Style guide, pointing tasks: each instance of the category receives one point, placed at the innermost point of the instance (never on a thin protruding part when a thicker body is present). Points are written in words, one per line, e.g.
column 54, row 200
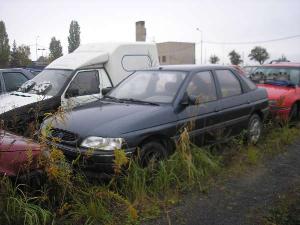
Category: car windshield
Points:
column 48, row 82
column 149, row 86
column 276, row 75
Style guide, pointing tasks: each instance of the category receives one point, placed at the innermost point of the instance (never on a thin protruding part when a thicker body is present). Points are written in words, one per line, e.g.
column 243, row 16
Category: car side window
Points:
column 202, row 86
column 85, row 83
column 229, row 83
column 13, row 80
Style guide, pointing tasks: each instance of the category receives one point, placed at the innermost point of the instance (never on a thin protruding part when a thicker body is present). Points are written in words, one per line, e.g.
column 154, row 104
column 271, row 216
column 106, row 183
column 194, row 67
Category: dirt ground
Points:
column 241, row 200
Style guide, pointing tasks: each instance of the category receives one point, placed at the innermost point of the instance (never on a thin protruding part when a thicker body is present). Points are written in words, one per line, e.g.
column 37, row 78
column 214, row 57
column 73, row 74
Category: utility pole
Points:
column 36, row 47
column 201, row 41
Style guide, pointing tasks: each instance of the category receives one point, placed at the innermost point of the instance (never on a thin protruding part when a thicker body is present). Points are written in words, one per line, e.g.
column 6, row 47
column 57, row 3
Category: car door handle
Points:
column 248, row 101
column 217, row 109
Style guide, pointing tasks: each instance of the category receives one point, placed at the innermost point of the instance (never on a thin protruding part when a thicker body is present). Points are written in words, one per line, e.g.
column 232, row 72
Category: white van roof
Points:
column 110, row 54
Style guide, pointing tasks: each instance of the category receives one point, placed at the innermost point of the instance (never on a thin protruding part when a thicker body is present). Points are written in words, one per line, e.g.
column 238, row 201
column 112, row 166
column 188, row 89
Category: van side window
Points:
column 229, row 84
column 104, row 80
column 202, row 86
column 85, row 83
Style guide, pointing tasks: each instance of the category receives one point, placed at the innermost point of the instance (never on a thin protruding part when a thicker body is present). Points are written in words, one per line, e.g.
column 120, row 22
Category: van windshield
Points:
column 48, row 82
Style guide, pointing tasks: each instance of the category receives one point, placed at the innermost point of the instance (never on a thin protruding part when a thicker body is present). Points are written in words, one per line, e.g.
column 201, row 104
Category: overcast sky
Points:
column 166, row 20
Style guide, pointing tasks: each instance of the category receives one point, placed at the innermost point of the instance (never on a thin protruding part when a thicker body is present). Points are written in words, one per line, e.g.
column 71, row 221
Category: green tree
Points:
column 235, row 58
column 13, row 56
column 214, row 59
column 22, row 56
column 74, row 36
column 282, row 59
column 55, row 49
column 4, row 46
column 43, row 60
column 259, row 54
column 19, row 56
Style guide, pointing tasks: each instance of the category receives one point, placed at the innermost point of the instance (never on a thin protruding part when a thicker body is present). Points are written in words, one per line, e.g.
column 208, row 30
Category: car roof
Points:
column 26, row 72
column 190, row 68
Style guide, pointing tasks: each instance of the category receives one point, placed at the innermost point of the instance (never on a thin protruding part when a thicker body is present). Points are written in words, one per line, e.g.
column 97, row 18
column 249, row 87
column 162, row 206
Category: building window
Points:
column 164, row 58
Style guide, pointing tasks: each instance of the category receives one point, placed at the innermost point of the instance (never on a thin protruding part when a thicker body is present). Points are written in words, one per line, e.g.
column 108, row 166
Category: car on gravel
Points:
column 18, row 156
column 12, row 79
column 147, row 111
column 282, row 82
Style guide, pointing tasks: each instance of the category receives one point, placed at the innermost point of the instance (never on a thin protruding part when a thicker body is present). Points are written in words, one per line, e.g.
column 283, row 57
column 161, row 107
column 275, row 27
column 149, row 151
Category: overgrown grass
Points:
column 133, row 194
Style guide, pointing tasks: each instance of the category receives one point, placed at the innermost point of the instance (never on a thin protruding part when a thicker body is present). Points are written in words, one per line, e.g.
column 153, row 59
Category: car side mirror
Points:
column 72, row 93
column 104, row 91
column 189, row 100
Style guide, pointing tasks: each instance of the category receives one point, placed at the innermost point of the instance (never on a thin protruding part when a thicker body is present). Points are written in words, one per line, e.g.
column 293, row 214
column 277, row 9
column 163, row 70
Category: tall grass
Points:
column 134, row 193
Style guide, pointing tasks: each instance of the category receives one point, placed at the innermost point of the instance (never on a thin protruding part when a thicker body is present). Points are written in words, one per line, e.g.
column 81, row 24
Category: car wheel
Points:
column 254, row 129
column 152, row 152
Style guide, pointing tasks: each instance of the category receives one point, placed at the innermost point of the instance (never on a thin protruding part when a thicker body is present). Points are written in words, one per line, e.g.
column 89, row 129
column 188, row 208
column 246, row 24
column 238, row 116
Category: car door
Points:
column 202, row 117
column 235, row 104
column 13, row 80
column 83, row 88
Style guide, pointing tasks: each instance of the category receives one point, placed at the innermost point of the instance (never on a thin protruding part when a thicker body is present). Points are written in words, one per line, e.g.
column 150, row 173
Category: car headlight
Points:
column 102, row 143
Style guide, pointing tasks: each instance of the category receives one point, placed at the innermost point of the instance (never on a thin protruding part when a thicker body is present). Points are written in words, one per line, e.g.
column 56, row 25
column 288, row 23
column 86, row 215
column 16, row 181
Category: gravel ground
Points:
column 240, row 200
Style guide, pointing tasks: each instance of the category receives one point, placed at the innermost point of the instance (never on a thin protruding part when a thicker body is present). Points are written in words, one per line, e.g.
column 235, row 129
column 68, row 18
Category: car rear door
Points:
column 202, row 117
column 235, row 104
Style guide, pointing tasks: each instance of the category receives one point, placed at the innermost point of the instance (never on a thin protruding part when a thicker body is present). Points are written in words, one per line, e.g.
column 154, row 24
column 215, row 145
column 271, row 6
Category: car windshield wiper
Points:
column 138, row 101
column 112, row 98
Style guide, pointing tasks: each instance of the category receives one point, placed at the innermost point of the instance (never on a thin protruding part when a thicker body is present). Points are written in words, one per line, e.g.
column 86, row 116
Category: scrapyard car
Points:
column 75, row 79
column 282, row 82
column 18, row 156
column 148, row 109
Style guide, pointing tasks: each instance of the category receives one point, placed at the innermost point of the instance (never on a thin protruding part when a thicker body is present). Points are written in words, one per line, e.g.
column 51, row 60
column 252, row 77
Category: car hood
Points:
column 10, row 142
column 109, row 119
column 17, row 99
column 277, row 92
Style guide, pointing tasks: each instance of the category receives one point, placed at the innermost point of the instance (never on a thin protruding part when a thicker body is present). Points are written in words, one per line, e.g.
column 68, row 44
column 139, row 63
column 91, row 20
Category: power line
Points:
column 252, row 42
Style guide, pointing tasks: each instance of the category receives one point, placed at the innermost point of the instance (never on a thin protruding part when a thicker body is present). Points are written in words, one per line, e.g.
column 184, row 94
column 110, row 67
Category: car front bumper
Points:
column 92, row 163
column 280, row 113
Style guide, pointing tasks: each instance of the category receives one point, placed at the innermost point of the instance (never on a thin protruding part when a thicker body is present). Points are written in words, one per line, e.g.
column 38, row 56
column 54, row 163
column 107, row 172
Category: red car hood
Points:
column 11, row 142
column 275, row 92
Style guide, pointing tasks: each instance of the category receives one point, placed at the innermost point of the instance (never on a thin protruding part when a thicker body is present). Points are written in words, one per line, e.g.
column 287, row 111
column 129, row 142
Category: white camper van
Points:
column 79, row 77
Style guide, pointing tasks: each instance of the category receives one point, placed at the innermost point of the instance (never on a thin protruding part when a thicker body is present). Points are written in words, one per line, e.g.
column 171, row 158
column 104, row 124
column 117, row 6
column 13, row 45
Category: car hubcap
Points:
column 255, row 131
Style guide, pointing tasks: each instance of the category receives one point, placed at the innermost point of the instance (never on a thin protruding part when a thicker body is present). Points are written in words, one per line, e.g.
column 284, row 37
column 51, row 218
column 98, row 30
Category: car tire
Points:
column 153, row 152
column 254, row 129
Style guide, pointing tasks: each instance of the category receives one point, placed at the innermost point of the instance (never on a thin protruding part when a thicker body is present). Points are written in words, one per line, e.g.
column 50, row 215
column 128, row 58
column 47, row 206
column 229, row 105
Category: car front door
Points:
column 235, row 104
column 201, row 117
column 83, row 88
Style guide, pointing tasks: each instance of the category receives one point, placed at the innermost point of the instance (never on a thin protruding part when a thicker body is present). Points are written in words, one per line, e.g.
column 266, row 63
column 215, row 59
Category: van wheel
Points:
column 152, row 152
column 254, row 129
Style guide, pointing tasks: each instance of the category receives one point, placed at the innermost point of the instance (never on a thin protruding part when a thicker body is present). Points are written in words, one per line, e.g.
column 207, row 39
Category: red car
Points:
column 18, row 155
column 282, row 82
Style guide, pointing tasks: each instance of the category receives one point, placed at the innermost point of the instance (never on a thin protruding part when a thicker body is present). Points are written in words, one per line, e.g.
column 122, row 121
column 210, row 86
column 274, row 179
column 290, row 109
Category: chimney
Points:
column 140, row 31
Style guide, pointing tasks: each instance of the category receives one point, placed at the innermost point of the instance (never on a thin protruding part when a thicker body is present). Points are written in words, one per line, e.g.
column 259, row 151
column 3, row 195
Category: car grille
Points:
column 64, row 136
